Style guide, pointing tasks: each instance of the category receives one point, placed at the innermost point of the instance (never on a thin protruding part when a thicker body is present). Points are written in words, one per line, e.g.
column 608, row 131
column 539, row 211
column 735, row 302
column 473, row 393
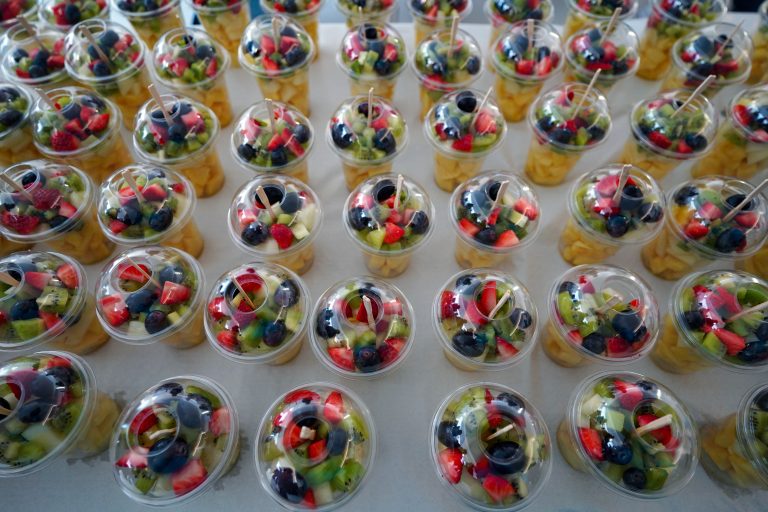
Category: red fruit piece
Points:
column 227, row 339
column 362, row 315
column 525, row 207
column 45, row 198
column 747, row 219
column 117, row 227
column 463, row 144
column 544, row 66
column 525, row 67
column 301, row 395
column 732, row 341
column 316, row 450
column 393, row 307
column 220, row 421
column 68, row 275
column 728, row 300
column 143, row 421
column 592, row 443
column 154, row 192
column 282, row 235
column 390, row 52
column 473, row 314
column 333, row 410
column 37, row 280
column 97, row 123
column 21, row 224
column 63, row 141
column 696, row 230
column 629, row 395
column 174, row 293
column 217, row 308
column 741, row 114
column 480, row 469
column 114, row 309
column 135, row 458
column 470, row 229
column 487, row 298
column 178, row 66
column 616, row 346
column 451, row 464
column 607, row 185
column 189, row 477
column 393, row 233
column 343, row 358
column 506, row 350
column 309, row 500
column 663, row 434
column 507, row 239
column 267, row 44
column 448, row 306
column 66, row 209
column 51, row 320
column 497, row 488
column 660, row 140
column 710, row 211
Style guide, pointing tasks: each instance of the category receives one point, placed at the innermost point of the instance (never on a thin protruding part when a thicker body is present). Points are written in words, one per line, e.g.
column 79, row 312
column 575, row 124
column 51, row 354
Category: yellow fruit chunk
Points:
column 578, row 247
column 545, row 166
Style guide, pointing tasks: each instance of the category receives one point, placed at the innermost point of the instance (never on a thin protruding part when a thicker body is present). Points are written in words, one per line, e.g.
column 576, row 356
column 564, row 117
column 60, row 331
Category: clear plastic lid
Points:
column 12, row 11
column 81, row 121
column 491, row 223
column 274, row 46
column 51, row 397
column 717, row 313
column 25, row 62
column 148, row 293
column 486, row 318
column 133, row 9
column 372, row 52
column 439, row 11
column 513, row 11
column 216, row 7
column 174, row 441
column 293, row 8
column 164, row 204
column 762, row 11
column 699, row 212
column 15, row 107
column 614, row 54
column 263, row 324
column 122, row 48
column 367, row 135
column 187, row 57
column 362, row 327
column 709, row 51
column 291, row 222
column 608, row 314
column 315, row 447
column 63, row 14
column 749, row 113
column 602, row 9
column 265, row 141
column 514, row 56
column 491, row 447
column 44, row 296
column 633, row 215
column 753, row 428
column 188, row 130
column 377, row 224
column 633, row 434
column 48, row 200
column 568, row 120
column 686, row 12
column 356, row 9
column 440, row 67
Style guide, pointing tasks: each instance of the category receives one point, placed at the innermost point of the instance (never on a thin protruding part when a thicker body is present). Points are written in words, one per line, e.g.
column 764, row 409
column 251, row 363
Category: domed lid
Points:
column 292, row 8
column 144, row 9
column 25, row 62
column 443, row 67
column 606, row 313
column 749, row 113
column 486, row 317
column 362, row 327
column 603, row 9
column 174, row 441
column 187, row 57
column 216, row 7
column 315, row 447
column 163, row 205
column 614, row 53
column 256, row 312
column 50, row 399
column 119, row 54
column 434, row 11
column 274, row 46
column 491, row 447
column 369, row 8
column 10, row 15
column 534, row 60
column 686, row 12
column 63, row 14
column 510, row 11
column 148, row 293
column 720, row 49
column 753, row 428
column 633, row 434
column 372, row 51
column 15, row 106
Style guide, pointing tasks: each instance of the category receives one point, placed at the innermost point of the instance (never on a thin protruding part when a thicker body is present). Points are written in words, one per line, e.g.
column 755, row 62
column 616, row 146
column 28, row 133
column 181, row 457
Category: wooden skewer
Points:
column 271, row 112
column 611, row 24
column 503, row 300
column 133, row 186
column 243, row 293
column 156, row 96
column 701, row 88
column 584, row 96
column 656, row 424
column 6, row 278
column 500, row 432
column 31, row 31
column 730, row 215
column 719, row 53
column 18, row 188
column 744, row 312
column 499, row 195
column 142, row 271
column 454, row 28
column 265, row 201
column 622, row 182
column 158, row 433
column 398, row 188
column 48, row 101
column 103, row 56
column 530, row 26
column 369, row 317
column 481, row 106
column 370, row 106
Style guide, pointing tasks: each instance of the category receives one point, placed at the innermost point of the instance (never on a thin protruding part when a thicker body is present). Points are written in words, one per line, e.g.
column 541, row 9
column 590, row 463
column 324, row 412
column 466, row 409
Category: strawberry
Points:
column 58, row 361
column 605, row 206
column 154, row 192
column 316, row 450
column 309, row 500
column 607, row 185
column 250, row 283
column 178, row 66
column 286, row 43
column 448, row 306
column 282, row 235
column 629, row 395
column 174, row 293
column 294, row 147
column 68, row 275
column 660, row 140
column 362, row 314
column 480, row 469
column 451, row 464
column 75, row 128
column 590, row 440
column 497, row 488
column 21, row 224
column 494, row 217
column 51, row 320
column 617, row 346
column 741, row 114
column 725, row 68
column 710, row 211
column 747, row 219
column 343, row 358
column 506, row 350
column 397, row 344
column 732, row 341
column 269, row 64
column 544, row 66
column 467, row 227
column 178, row 188
column 393, row 233
column 212, row 68
column 728, row 300
column 117, row 227
column 688, row 56
column 217, row 308
column 143, row 421
column 363, row 200
column 525, row 207
column 473, row 314
column 487, row 298
column 189, row 477
column 114, row 309
column 220, row 421
column 301, row 395
column 393, row 307
column 586, row 285
column 484, row 123
column 333, row 410
column 390, row 52
column 683, row 148
column 86, row 113
column 67, row 209
column 663, row 434
column 135, row 458
column 97, row 123
column 463, row 144
column 387, row 354
column 267, row 44
column 37, row 280
column 63, row 141
column 507, row 239
column 696, row 229
column 525, row 67
column 227, row 339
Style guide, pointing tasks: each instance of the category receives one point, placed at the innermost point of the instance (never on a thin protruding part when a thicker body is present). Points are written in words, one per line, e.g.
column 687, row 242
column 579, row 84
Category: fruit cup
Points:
column 25, row 63
column 366, row 148
column 760, row 42
column 83, row 131
column 305, row 13
column 150, row 294
column 715, row 320
column 50, row 302
column 224, row 20
column 257, row 313
column 152, row 19
column 433, row 16
column 161, row 213
column 273, row 140
column 64, row 14
column 490, row 229
column 12, row 11
column 505, row 13
column 664, row 134
column 490, row 447
column 631, row 433
column 373, row 11
column 566, row 121
column 180, row 134
column 189, row 62
column 281, row 70
column 373, row 56
column 587, row 13
column 123, row 78
column 16, row 143
column 441, row 69
column 162, row 455
column 486, row 320
column 669, row 21
column 55, row 411
column 603, row 220
column 362, row 328
column 53, row 203
column 389, row 217
column 522, row 67
column 733, row 448
column 617, row 324
column 702, row 227
column 282, row 231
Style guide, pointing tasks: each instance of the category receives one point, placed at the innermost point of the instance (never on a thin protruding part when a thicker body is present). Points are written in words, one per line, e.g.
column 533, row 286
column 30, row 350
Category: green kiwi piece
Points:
column 323, row 472
column 66, row 417
column 347, row 478
column 215, row 402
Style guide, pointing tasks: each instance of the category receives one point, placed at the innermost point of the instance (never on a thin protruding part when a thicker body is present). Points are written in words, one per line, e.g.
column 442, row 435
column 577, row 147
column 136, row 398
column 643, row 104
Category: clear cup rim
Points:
column 44, row 6
column 527, row 79
column 446, row 87
column 24, row 122
column 10, row 39
column 210, row 11
column 391, row 32
column 421, row 18
column 740, row 128
column 574, row 5
column 202, row 84
column 29, row 14
column 622, row 29
column 146, row 15
column 745, row 431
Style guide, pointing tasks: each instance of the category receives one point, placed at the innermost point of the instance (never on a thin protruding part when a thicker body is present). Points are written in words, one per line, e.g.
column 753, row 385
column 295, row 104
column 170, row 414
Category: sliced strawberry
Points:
column 747, row 219
column 316, row 450
column 683, row 148
column 294, row 147
column 282, row 235
column 741, row 113
column 607, row 185
column 390, row 52
column 732, row 341
column 135, row 458
column 544, row 66
column 451, row 464
column 45, row 198
column 227, row 339
column 728, row 300
column 58, row 361
column 487, row 298
column 586, row 284
column 220, row 421
column 485, row 123
column 68, row 275
column 333, row 410
column 525, row 207
column 616, row 346
column 710, row 211
column 696, row 229
column 449, row 308
column 115, row 310
column 212, row 68
column 363, row 200
column 362, row 315
column 75, row 128
column 470, row 229
column 393, row 233
column 174, row 293
column 629, row 395
column 660, row 140
column 494, row 217
column 267, row 45
column 592, row 443
column 507, row 239
column 217, row 308
column 67, row 209
column 178, row 66
column 37, row 280
column 188, row 478
column 21, row 224
column 154, row 192
column 342, row 357
column 663, row 434
column 473, row 314
column 117, row 227
column 143, row 421
column 51, row 320
column 463, row 144
column 506, row 350
column 497, row 488
column 97, row 123
column 393, row 307
column 525, row 67
column 301, row 395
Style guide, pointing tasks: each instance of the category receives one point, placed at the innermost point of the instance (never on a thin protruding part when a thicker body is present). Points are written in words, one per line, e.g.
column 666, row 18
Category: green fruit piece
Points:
column 66, row 418
column 398, row 328
column 29, row 453
column 712, row 344
column 347, row 478
column 376, row 238
column 144, row 480
column 474, row 489
column 215, row 402
column 655, row 478
column 28, row 329
column 614, row 419
column 323, row 472
column 565, row 307
column 613, row 471
column 53, row 299
column 355, row 427
column 43, row 435
column 366, row 338
column 604, row 388
column 752, row 295
column 164, row 419
column 174, row 317
column 284, row 218
column 664, row 460
column 271, row 451
column 293, row 319
column 588, row 326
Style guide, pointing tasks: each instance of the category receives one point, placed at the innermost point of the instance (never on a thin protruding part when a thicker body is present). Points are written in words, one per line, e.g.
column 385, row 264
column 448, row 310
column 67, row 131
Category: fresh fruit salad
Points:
column 503, row 13
column 372, row 55
column 584, row 13
column 431, row 15
column 63, row 14
column 225, row 20
column 462, row 123
column 150, row 18
column 292, row 7
column 614, row 54
column 12, row 10
column 123, row 51
column 25, row 62
column 355, row 10
column 16, row 143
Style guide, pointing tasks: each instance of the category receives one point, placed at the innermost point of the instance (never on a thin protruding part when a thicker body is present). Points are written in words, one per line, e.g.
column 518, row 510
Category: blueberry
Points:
column 278, row 157
column 650, row 212
column 506, row 458
column 342, row 135
column 754, row 351
column 492, row 189
column 8, row 94
column 33, row 411
column 736, row 199
column 650, row 390
column 543, row 52
column 419, row 222
column 288, row 31
column 296, row 55
column 19, row 53
column 109, row 38
column 140, row 301
column 473, row 65
column 634, row 478
column 536, row 14
column 562, row 135
column 158, row 118
column 686, row 192
column 594, row 34
column 150, row 5
column 358, row 218
column 467, row 283
column 337, row 441
column 696, row 141
column 172, row 273
column 290, row 6
column 546, row 124
column 10, row 118
column 93, row 102
column 255, row 233
column 629, row 325
column 571, row 288
column 291, row 203
column 41, row 58
column 468, row 343
column 287, row 294
column 700, row 71
column 161, row 219
column 36, row 71
column 71, row 111
column 274, row 194
column 188, row 413
column 168, row 455
column 502, row 6
column 177, row 133
column 591, row 55
column 617, row 226
column 93, row 52
column 730, row 240
column 128, row 215
column 448, row 434
column 204, row 406
column 466, row 101
column 172, row 388
column 486, row 236
column 289, row 485
column 382, row 67
column 205, row 51
column 620, row 67
column 521, row 318
column 595, row 133
column 156, row 321
column 274, row 334
column 183, row 107
column 617, row 450
column 383, row 190
column 510, row 403
column 631, row 198
column 762, row 331
column 24, row 310
column 301, row 133
column 155, row 172
column 45, row 388
column 384, row 140
column 367, row 359
column 324, row 324
column 704, row 46
column 693, row 319
column 452, row 127
column 594, row 342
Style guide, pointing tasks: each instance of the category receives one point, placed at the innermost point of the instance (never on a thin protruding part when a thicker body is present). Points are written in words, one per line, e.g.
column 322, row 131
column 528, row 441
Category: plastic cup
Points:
column 65, row 197
column 427, row 19
column 631, row 433
column 709, row 324
column 65, row 413
column 696, row 232
column 153, row 23
column 186, row 145
column 94, row 145
column 472, row 338
column 756, row 264
column 662, row 139
column 600, row 314
column 26, row 9
column 150, row 294
column 490, row 447
column 305, row 13
column 760, row 53
column 733, row 448
column 224, row 21
column 376, row 12
column 50, row 304
column 668, row 22
column 253, row 147
column 366, row 149
column 16, row 143
column 9, row 247
column 284, row 78
column 603, row 220
column 175, row 441
column 58, row 13
column 20, row 49
column 386, row 233
column 586, row 13
column 504, row 13
column 489, row 232
column 522, row 67
column 288, row 237
column 561, row 134
column 160, row 215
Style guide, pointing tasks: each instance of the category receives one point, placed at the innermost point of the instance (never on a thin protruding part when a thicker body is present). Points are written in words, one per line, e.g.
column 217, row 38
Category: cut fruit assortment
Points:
column 585, row 13
column 12, row 10
column 760, row 54
column 224, row 20
column 150, row 19
column 16, row 142
column 175, row 441
column 24, row 62
column 434, row 15
column 370, row 11
column 614, row 53
column 303, row 12
column 503, row 13
column 63, row 14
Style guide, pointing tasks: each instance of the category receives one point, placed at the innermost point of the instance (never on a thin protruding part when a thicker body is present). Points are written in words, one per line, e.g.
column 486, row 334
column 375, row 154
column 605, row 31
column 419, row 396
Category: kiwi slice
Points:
column 323, row 472
column 195, row 390
column 355, row 427
column 28, row 453
column 66, row 417
column 144, row 480
column 348, row 476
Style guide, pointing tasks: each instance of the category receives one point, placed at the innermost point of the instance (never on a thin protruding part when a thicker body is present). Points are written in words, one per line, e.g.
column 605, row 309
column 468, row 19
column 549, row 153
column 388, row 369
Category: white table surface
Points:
column 402, row 404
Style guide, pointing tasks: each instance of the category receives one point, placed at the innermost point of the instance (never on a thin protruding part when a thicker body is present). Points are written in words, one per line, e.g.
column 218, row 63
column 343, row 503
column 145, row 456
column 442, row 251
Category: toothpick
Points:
column 398, row 188
column 96, row 45
column 158, row 433
column 499, row 196
column 369, row 316
column 31, row 31
column 370, row 106
column 584, row 96
column 622, row 182
column 719, row 53
column 48, row 101
column 265, row 201
column 744, row 312
column 275, row 32
column 156, row 96
column 615, row 299
column 656, row 424
column 701, row 88
column 142, row 271
column 745, row 201
column 6, row 278
column 243, row 293
column 500, row 432
column 530, row 26
column 271, row 112
column 133, row 186
column 454, row 28
column 481, row 106
column 18, row 188
column 611, row 24
column 503, row 300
